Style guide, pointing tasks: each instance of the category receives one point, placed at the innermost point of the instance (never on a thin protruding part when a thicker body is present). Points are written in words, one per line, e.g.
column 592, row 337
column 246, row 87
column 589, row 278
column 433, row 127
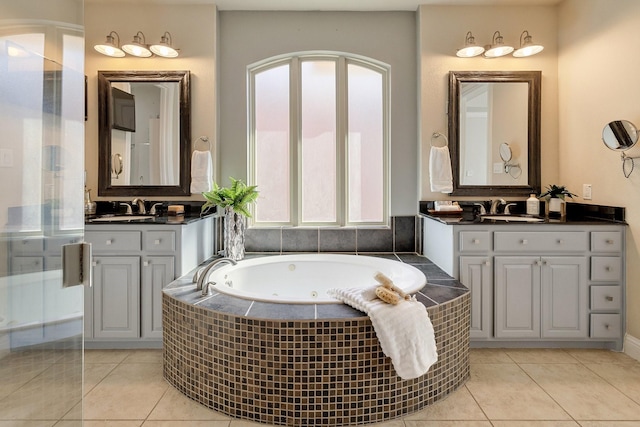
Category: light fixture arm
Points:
column 110, row 36
column 527, row 38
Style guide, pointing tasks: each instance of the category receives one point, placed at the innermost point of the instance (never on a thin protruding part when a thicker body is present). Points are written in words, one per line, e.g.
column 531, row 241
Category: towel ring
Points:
column 437, row 135
column 203, row 139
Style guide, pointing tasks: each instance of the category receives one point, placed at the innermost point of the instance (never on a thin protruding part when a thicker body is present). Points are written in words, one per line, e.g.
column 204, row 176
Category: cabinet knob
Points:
column 146, row 263
column 156, row 242
column 523, row 242
column 487, row 263
column 560, row 241
column 609, row 242
column 609, row 298
column 606, row 326
column 108, row 242
column 94, row 263
column 475, row 241
column 607, row 268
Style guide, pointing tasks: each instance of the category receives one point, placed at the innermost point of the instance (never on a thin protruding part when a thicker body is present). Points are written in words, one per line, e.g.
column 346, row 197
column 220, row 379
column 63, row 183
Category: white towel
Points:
column 404, row 330
column 440, row 170
column 201, row 171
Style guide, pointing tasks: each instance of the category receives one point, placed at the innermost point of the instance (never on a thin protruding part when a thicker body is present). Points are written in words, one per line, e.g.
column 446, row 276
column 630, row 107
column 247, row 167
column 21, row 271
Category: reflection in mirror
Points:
column 144, row 133
column 620, row 135
column 494, row 125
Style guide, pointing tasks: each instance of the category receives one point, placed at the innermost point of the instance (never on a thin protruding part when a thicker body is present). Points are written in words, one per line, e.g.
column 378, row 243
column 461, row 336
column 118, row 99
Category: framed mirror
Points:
column 144, row 133
column 489, row 110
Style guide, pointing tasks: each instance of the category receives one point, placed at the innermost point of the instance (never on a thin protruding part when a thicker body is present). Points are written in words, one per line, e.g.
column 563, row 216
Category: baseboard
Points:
column 632, row 346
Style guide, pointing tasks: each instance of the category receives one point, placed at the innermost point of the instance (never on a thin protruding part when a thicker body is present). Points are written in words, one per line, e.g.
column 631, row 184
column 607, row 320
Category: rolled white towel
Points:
column 369, row 294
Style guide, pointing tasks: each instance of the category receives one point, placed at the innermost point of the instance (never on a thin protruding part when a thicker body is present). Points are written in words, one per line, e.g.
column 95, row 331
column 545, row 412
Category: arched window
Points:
column 318, row 135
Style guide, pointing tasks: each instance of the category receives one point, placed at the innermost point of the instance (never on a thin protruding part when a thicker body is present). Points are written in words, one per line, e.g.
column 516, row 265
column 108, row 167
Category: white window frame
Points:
column 295, row 60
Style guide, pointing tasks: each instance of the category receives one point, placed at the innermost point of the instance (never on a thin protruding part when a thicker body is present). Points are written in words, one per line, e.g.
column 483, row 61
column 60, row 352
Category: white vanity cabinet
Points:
column 131, row 265
column 536, row 284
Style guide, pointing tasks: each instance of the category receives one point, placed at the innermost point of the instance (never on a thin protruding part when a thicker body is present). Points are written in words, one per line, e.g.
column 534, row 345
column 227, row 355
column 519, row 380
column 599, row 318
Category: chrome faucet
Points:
column 495, row 204
column 206, row 288
column 129, row 211
column 483, row 210
column 154, row 208
column 141, row 207
column 201, row 275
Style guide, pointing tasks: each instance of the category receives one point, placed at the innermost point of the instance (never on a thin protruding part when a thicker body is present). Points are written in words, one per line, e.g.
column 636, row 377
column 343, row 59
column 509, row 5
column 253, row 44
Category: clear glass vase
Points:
column 234, row 228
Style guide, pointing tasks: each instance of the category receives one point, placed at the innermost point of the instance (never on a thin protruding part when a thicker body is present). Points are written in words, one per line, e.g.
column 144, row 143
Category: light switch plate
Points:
column 586, row 191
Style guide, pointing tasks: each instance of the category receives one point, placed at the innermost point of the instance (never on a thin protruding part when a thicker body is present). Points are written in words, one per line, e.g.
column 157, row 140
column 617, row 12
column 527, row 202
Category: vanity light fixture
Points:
column 527, row 48
column 497, row 47
column 164, row 48
column 109, row 47
column 470, row 48
column 138, row 46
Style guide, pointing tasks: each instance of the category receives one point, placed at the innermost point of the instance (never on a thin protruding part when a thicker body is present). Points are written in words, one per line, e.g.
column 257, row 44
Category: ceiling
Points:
column 355, row 5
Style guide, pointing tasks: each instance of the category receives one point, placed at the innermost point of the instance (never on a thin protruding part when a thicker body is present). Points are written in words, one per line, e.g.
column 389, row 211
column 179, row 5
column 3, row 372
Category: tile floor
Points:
column 507, row 388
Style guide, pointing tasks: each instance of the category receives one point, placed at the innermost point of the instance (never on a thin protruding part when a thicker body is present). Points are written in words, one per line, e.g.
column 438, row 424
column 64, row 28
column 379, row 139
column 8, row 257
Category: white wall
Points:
column 193, row 29
column 598, row 65
column 442, row 31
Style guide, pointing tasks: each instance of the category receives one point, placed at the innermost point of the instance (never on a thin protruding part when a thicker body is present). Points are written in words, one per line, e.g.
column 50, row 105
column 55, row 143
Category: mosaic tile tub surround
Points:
column 306, row 364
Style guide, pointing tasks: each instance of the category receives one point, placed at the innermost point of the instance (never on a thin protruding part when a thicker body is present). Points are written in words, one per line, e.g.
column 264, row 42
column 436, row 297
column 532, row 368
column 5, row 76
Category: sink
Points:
column 122, row 218
column 511, row 218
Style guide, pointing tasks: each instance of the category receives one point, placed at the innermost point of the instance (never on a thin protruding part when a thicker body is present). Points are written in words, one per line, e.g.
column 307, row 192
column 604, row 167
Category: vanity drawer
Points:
column 606, row 241
column 27, row 246
column 475, row 241
column 606, row 268
column 546, row 241
column 606, row 298
column 605, row 326
column 159, row 241
column 108, row 241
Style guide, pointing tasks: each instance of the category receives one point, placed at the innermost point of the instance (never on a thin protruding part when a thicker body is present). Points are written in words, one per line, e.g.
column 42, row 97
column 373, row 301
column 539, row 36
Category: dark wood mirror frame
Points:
column 104, row 133
column 533, row 78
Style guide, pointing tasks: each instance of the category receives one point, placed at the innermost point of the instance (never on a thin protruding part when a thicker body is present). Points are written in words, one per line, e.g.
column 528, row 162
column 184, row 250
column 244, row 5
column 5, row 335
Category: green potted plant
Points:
column 234, row 201
column 556, row 192
column 554, row 196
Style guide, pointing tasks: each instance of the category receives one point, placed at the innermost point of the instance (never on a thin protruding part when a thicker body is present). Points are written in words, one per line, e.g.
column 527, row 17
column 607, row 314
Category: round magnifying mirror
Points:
column 505, row 152
column 620, row 135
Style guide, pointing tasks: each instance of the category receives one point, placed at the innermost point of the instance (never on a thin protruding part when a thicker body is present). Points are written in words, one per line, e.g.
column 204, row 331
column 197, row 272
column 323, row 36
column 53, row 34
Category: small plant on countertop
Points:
column 557, row 192
column 238, row 196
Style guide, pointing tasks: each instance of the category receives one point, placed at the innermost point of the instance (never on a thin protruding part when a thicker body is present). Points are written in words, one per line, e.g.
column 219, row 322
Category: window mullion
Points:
column 295, row 139
column 341, row 141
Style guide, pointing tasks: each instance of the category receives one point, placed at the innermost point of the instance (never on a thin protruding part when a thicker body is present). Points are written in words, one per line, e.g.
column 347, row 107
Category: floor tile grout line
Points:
column 637, row 402
column 477, row 403
column 546, row 392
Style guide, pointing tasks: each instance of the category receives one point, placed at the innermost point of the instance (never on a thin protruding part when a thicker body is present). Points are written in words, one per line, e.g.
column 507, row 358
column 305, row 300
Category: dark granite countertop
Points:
column 440, row 288
column 577, row 214
column 192, row 213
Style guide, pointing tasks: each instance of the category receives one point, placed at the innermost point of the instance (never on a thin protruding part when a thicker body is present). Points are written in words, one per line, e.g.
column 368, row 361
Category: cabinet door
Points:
column 116, row 297
column 157, row 272
column 476, row 274
column 565, row 297
column 517, row 302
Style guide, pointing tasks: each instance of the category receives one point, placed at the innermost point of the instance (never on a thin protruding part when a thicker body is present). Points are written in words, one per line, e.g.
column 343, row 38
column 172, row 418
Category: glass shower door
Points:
column 41, row 210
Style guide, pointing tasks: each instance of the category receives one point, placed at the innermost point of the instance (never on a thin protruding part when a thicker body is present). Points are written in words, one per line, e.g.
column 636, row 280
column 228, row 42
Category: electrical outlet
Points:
column 498, row 168
column 586, row 191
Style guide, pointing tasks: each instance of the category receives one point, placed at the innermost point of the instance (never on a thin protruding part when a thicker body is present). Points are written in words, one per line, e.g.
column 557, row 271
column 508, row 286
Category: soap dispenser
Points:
column 533, row 205
column 89, row 206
